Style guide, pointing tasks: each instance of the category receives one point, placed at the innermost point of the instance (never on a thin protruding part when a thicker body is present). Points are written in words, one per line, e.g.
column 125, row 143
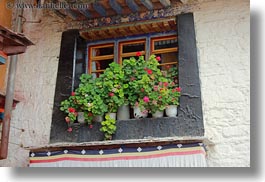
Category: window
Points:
column 101, row 55
column 166, row 48
column 190, row 118
column 130, row 48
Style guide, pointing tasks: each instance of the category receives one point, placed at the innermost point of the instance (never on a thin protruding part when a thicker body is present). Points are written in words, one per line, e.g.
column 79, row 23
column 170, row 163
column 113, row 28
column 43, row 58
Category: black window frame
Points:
column 190, row 117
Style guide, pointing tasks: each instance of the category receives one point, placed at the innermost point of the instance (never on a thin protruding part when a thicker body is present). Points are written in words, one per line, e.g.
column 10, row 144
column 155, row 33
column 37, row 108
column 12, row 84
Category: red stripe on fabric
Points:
column 119, row 158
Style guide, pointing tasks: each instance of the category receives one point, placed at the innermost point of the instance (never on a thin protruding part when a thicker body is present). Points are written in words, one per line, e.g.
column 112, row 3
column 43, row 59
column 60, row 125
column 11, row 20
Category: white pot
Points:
column 158, row 114
column 112, row 115
column 98, row 118
column 172, row 111
column 80, row 117
column 137, row 113
column 123, row 112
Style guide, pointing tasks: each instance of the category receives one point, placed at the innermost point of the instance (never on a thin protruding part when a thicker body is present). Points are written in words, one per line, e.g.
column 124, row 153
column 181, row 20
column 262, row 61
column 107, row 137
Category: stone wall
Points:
column 222, row 30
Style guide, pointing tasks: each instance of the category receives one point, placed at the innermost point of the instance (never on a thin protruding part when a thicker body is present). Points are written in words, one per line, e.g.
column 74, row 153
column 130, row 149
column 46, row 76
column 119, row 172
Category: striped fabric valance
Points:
column 174, row 155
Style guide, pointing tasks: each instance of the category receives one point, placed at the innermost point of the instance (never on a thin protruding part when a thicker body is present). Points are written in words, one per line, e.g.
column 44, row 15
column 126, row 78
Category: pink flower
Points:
column 155, row 88
column 111, row 94
column 70, row 109
column 73, row 93
column 146, row 99
column 138, row 54
column 158, row 58
column 145, row 111
column 91, row 126
column 160, row 83
column 67, row 119
column 178, row 89
column 149, row 72
column 165, row 84
column 70, row 129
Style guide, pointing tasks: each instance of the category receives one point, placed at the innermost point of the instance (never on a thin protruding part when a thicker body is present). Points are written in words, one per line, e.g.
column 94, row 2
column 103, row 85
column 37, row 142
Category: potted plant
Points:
column 108, row 126
column 112, row 84
column 172, row 101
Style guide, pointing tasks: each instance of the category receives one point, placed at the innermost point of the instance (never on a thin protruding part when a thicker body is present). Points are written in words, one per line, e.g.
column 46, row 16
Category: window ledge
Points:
column 95, row 144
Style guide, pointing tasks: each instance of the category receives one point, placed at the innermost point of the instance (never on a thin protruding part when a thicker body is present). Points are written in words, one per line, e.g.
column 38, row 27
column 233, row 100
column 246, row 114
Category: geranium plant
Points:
column 112, row 84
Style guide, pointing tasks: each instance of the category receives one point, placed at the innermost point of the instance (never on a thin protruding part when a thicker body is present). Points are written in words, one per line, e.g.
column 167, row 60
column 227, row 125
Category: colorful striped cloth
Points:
column 174, row 155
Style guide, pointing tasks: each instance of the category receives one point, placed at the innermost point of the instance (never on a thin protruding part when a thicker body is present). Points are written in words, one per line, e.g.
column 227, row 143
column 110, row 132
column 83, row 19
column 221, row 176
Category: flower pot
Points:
column 137, row 113
column 112, row 115
column 123, row 112
column 172, row 111
column 158, row 114
column 80, row 117
column 98, row 118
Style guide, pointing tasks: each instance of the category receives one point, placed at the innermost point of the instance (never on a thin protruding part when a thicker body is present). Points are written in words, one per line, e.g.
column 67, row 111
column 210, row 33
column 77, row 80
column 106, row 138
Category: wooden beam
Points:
column 72, row 14
column 116, row 6
column 100, row 9
column 132, row 5
column 165, row 3
column 85, row 12
column 148, row 4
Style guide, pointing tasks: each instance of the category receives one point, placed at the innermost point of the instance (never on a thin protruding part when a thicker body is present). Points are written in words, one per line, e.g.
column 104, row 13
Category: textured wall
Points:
column 223, row 31
column 35, row 84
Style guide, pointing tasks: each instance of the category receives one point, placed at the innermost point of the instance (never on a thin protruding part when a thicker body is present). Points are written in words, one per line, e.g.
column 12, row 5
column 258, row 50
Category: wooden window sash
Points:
column 98, row 58
column 129, row 54
column 165, row 50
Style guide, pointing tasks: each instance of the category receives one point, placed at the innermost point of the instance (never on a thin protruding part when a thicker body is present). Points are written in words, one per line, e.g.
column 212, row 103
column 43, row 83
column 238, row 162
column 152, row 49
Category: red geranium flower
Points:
column 70, row 109
column 73, row 93
column 111, row 94
column 149, row 72
column 70, row 129
column 158, row 58
column 165, row 84
column 178, row 89
column 138, row 54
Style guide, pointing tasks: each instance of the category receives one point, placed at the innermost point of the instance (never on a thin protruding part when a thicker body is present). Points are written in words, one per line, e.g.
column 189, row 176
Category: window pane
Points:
column 102, row 51
column 162, row 44
column 134, row 47
column 101, row 65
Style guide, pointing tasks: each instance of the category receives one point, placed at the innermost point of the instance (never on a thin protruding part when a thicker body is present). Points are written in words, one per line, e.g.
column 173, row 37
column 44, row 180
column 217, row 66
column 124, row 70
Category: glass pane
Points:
column 162, row 44
column 101, row 65
column 167, row 58
column 134, row 47
column 102, row 51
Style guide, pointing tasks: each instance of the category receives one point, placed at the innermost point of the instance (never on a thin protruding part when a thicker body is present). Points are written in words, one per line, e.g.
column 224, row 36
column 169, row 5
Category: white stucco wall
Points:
column 35, row 85
column 223, row 41
column 222, row 30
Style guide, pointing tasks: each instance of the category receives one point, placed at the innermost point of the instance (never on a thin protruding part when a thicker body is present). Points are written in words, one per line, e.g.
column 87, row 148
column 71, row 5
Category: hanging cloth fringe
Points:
column 178, row 155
